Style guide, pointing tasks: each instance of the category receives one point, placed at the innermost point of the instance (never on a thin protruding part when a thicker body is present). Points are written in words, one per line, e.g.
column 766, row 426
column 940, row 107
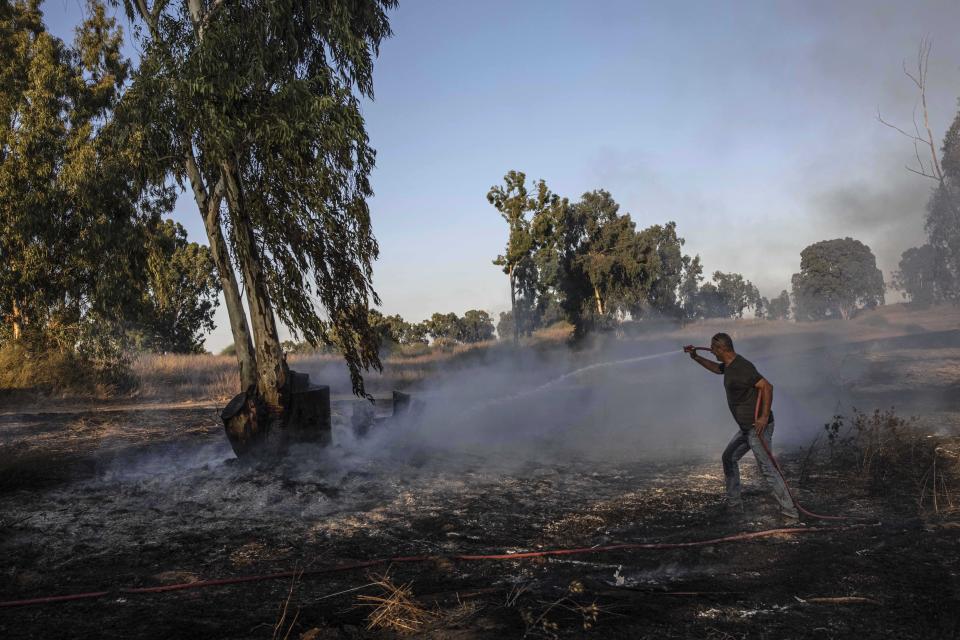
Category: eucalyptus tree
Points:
column 180, row 292
column 476, row 325
column 611, row 258
column 256, row 104
column 516, row 205
column 73, row 211
column 779, row 307
column 836, row 278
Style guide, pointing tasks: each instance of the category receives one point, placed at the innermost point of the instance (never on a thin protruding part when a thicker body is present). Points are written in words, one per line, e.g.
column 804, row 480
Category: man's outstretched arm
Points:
column 709, row 365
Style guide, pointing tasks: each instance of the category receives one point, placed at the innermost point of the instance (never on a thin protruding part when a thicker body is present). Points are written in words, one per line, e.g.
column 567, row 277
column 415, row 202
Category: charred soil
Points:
column 101, row 502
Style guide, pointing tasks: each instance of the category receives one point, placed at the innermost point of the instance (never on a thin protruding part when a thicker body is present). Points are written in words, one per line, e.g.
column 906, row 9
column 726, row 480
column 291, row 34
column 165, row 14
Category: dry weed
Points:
column 281, row 627
column 395, row 608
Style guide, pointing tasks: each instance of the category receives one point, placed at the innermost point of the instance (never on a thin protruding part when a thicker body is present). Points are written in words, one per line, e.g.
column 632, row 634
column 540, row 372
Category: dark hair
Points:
column 724, row 340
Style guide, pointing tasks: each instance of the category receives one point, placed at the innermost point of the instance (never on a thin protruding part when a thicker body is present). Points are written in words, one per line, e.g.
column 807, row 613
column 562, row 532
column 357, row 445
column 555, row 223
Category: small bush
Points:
column 895, row 457
column 51, row 371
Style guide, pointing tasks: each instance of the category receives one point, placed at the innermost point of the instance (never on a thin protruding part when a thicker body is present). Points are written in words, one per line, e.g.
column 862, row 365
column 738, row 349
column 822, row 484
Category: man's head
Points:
column 721, row 345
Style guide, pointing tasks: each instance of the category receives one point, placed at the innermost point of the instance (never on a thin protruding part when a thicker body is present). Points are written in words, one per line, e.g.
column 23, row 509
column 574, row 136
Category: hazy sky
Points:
column 752, row 125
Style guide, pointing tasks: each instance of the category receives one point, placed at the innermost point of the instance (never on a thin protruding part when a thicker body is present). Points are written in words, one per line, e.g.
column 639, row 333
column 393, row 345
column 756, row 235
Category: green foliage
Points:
column 444, row 326
column 519, row 208
column 922, row 277
column 181, row 294
column 728, row 295
column 32, row 369
column 779, row 307
column 940, row 264
column 74, row 212
column 476, row 326
column 265, row 97
column 86, row 266
column 836, row 278
column 505, row 326
column 668, row 266
column 394, row 330
column 585, row 262
column 611, row 261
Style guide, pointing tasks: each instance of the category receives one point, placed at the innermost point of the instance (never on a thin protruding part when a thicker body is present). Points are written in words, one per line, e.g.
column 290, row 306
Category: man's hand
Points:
column 691, row 350
column 761, row 425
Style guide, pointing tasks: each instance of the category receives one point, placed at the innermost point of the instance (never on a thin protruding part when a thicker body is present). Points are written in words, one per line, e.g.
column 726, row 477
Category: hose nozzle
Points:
column 692, row 349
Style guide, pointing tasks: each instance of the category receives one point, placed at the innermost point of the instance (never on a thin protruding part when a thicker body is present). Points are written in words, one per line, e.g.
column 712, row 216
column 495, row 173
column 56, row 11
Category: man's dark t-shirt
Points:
column 739, row 380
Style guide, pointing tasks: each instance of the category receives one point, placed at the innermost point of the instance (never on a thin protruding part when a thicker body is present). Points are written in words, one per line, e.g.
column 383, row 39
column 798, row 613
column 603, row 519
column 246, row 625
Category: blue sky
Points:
column 751, row 124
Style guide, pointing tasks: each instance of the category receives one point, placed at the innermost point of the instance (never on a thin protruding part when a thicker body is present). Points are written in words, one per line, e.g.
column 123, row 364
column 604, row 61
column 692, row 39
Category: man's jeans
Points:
column 748, row 441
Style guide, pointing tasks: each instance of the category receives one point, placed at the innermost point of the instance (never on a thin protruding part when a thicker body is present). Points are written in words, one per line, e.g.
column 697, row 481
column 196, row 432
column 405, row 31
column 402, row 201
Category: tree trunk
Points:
column 596, row 296
column 209, row 204
column 513, row 309
column 272, row 371
column 16, row 321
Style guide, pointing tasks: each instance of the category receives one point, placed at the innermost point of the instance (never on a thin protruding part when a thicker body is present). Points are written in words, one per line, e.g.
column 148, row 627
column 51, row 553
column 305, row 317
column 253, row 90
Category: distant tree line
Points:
column 587, row 263
column 440, row 329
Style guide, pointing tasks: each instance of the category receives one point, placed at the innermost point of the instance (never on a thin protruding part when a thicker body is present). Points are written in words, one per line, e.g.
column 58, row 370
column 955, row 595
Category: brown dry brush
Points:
column 894, row 457
column 395, row 608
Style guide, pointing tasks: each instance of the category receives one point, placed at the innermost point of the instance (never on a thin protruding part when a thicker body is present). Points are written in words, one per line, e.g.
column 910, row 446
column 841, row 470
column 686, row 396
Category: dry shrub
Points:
column 575, row 607
column 51, row 371
column 395, row 608
column 894, row 457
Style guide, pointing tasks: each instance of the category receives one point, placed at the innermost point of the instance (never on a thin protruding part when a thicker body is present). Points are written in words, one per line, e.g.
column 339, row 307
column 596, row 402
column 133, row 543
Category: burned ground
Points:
column 98, row 501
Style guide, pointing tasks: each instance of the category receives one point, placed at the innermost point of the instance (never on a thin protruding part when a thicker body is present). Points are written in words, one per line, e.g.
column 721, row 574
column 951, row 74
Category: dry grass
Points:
column 894, row 457
column 282, row 629
column 186, row 377
column 395, row 608
column 54, row 372
column 210, row 378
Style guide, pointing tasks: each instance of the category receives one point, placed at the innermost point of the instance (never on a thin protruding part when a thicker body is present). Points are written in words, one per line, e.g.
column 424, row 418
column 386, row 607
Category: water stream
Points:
column 554, row 382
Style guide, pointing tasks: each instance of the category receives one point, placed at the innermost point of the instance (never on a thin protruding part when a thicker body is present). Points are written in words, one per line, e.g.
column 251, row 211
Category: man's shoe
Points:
column 735, row 510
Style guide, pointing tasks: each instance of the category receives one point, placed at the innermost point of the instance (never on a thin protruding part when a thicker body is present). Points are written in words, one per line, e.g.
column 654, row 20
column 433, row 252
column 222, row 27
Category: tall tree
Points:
column 516, row 206
column 668, row 270
column 779, row 307
column 922, row 276
column 737, row 293
column 690, row 287
column 73, row 209
column 476, row 326
column 257, row 102
column 943, row 169
column 610, row 258
column 943, row 224
column 836, row 278
column 181, row 292
column 444, row 326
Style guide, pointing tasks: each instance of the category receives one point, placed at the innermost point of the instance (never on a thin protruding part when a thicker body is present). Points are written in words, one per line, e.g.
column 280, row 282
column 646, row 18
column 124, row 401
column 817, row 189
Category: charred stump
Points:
column 254, row 429
column 362, row 417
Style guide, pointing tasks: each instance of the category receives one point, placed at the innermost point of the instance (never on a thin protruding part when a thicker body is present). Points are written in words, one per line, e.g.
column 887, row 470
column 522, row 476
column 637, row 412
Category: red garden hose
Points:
column 737, row 537
column 776, row 465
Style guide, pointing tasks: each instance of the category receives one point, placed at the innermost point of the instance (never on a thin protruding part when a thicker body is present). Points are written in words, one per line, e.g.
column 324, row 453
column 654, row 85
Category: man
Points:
column 743, row 383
